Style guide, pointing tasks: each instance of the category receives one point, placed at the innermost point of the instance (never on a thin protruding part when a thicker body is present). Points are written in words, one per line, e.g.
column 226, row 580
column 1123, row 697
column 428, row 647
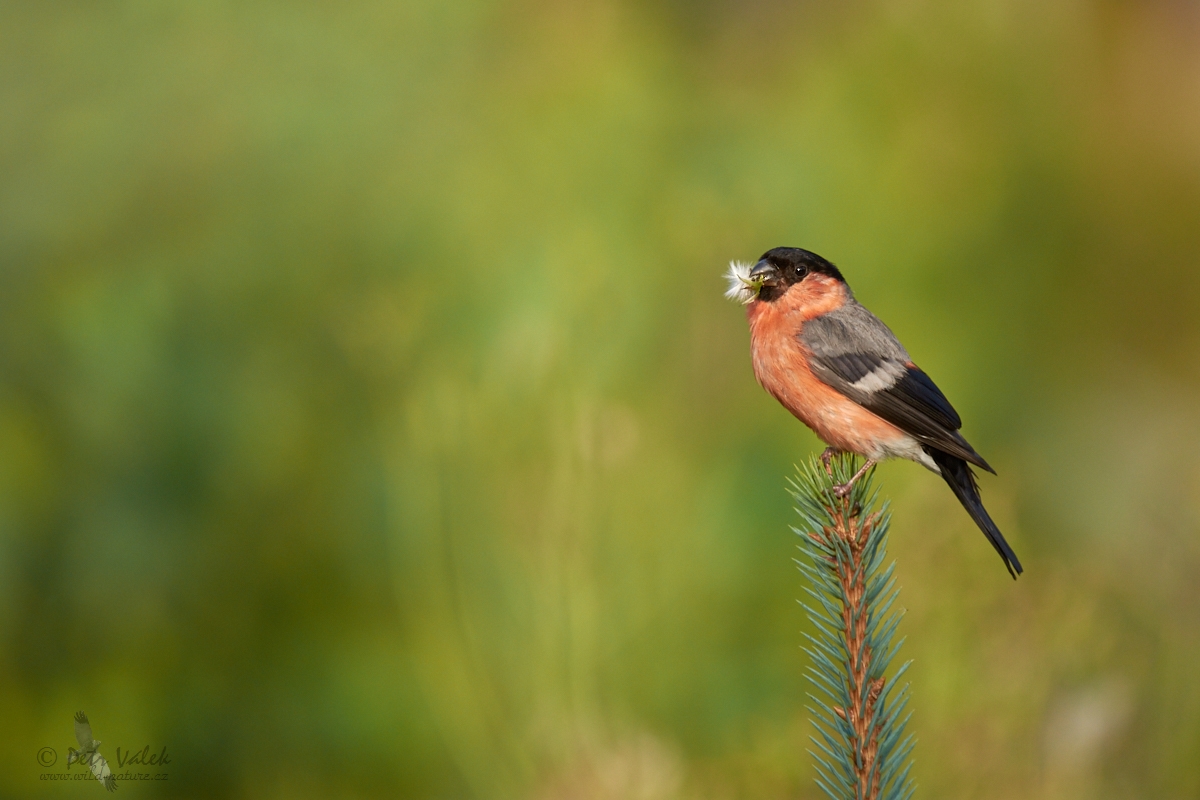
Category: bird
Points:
column 89, row 753
column 842, row 372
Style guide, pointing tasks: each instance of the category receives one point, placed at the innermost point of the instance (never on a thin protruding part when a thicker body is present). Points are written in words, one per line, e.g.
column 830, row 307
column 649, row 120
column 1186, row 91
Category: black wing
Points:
column 858, row 355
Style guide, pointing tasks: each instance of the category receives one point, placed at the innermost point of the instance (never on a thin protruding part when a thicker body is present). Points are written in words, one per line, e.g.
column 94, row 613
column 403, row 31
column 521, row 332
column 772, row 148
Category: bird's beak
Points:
column 765, row 272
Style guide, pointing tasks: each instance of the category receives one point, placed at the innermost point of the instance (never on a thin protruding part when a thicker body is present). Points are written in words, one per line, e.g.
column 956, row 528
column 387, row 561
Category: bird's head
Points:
column 776, row 272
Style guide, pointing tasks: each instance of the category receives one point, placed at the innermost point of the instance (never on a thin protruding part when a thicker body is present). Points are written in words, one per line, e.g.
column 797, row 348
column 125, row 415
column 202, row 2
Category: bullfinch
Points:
column 843, row 373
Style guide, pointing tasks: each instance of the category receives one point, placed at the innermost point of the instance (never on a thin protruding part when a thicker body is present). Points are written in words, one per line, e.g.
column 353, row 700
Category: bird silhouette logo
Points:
column 89, row 753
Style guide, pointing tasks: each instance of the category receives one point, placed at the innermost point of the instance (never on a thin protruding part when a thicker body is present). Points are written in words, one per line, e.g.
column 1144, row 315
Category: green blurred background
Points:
column 372, row 423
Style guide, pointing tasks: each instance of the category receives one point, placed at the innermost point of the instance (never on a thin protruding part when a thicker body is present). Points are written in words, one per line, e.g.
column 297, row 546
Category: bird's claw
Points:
column 826, row 457
column 841, row 490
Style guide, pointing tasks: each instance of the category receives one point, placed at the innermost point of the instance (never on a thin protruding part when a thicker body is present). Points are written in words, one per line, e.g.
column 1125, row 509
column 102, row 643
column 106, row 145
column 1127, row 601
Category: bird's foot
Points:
column 843, row 489
column 827, row 456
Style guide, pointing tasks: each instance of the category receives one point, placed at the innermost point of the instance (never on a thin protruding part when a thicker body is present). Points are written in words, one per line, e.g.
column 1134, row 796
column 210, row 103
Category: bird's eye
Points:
column 800, row 271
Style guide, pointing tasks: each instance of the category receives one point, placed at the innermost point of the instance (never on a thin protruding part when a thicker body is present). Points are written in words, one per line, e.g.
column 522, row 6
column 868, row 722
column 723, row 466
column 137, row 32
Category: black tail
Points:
column 962, row 480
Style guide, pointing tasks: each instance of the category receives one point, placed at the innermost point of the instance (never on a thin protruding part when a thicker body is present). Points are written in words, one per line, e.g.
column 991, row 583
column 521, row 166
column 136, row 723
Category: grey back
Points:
column 852, row 329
